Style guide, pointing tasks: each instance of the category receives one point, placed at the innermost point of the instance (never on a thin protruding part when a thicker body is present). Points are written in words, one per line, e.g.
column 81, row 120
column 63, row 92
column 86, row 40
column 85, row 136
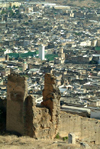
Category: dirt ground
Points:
column 14, row 142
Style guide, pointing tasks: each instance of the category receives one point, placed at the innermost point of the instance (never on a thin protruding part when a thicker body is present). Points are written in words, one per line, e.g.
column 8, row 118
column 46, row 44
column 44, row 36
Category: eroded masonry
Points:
column 46, row 120
column 24, row 117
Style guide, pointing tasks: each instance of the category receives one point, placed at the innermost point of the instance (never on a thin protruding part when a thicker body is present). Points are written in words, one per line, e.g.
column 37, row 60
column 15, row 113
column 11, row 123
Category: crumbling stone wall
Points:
column 51, row 99
column 16, row 94
column 24, row 116
column 51, row 94
column 88, row 129
column 29, row 105
column 38, row 124
column 44, row 120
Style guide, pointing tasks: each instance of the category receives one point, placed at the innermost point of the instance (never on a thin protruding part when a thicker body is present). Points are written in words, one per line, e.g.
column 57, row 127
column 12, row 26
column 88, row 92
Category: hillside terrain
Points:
column 81, row 3
column 14, row 142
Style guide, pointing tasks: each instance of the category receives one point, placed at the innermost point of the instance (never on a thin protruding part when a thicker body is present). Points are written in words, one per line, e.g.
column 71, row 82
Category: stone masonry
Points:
column 24, row 117
column 51, row 98
column 16, row 94
column 46, row 120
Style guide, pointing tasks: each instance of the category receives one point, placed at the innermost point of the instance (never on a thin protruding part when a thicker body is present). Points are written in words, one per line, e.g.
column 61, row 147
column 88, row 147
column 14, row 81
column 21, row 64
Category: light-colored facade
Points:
column 42, row 52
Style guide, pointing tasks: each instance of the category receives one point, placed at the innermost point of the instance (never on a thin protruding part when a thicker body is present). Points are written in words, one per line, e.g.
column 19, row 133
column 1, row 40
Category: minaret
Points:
column 42, row 52
column 24, row 65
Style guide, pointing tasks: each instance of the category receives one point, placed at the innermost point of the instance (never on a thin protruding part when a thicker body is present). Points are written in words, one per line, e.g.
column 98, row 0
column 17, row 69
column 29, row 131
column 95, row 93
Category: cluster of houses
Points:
column 71, row 36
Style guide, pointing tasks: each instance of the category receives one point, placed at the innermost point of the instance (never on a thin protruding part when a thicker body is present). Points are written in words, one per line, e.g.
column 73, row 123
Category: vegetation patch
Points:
column 65, row 138
column 51, row 57
column 62, row 138
column 16, row 55
column 57, row 136
column 97, row 48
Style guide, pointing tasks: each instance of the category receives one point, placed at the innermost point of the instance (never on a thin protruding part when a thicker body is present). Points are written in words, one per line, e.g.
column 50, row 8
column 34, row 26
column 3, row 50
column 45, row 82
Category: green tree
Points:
column 3, row 12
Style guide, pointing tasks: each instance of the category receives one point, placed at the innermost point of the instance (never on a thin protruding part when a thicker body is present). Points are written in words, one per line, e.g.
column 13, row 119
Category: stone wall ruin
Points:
column 46, row 120
column 24, row 117
column 16, row 94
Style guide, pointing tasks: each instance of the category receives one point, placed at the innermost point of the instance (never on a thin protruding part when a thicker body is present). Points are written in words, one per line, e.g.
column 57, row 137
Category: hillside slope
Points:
column 87, row 3
column 14, row 142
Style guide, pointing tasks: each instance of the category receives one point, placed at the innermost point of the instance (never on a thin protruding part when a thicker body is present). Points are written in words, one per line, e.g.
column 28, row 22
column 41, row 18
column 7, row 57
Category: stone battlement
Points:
column 16, row 78
column 50, row 79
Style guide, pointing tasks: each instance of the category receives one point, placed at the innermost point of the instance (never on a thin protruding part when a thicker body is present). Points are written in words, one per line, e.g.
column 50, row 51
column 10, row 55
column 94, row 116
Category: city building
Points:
column 42, row 52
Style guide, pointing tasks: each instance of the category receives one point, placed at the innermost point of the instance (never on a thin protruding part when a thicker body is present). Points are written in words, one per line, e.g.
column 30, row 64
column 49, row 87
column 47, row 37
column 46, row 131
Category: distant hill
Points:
column 87, row 3
column 81, row 3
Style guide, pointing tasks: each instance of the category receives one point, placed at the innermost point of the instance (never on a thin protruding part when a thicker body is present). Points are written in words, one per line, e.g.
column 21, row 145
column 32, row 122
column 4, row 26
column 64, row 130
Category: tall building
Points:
column 42, row 52
column 24, row 65
column 61, row 55
column 7, row 57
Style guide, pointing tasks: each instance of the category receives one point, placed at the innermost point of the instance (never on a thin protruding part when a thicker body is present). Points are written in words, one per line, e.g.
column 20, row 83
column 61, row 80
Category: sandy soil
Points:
column 14, row 142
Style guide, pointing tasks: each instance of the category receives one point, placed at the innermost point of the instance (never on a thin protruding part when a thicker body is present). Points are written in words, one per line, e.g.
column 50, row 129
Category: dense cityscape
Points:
column 40, row 37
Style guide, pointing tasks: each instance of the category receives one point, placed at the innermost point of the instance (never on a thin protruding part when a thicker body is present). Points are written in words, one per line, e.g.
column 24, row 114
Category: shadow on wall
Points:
column 2, row 119
column 2, row 115
column 3, row 130
column 3, row 111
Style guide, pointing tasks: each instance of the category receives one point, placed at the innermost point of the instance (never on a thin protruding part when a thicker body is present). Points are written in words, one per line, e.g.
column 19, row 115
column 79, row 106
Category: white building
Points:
column 25, row 66
column 95, row 113
column 42, row 52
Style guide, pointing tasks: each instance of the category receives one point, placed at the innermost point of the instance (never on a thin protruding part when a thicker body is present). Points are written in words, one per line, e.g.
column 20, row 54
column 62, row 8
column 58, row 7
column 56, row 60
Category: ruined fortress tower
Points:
column 16, row 95
column 46, row 120
column 51, row 98
column 24, row 117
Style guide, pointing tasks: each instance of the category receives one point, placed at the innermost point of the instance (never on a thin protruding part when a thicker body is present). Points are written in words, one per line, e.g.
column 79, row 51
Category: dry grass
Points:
column 14, row 142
